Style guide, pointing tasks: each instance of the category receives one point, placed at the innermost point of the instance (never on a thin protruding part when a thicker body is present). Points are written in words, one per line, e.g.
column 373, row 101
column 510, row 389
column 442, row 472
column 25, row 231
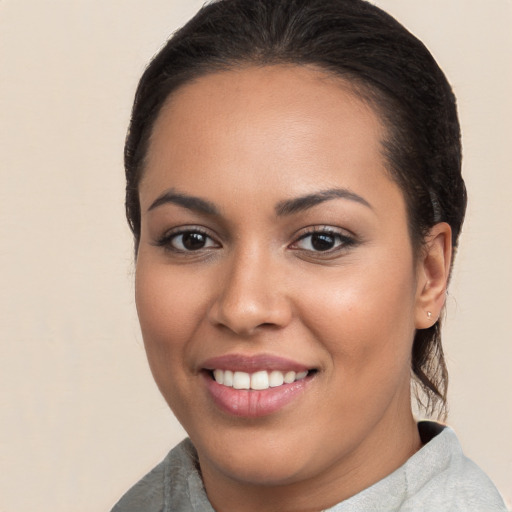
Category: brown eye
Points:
column 188, row 241
column 193, row 241
column 323, row 241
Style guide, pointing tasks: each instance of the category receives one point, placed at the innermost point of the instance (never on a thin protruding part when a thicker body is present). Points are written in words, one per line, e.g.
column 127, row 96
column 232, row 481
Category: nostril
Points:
column 268, row 325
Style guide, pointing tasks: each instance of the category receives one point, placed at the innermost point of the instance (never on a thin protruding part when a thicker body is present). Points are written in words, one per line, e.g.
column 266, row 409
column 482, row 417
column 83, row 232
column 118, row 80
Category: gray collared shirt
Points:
column 439, row 477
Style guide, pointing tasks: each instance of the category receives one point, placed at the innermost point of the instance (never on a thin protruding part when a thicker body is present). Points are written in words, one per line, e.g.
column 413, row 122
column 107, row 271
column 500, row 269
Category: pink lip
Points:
column 252, row 403
column 250, row 364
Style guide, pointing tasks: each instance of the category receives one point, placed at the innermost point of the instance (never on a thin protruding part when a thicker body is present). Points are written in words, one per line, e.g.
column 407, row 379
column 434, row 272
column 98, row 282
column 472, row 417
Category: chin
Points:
column 259, row 459
column 262, row 470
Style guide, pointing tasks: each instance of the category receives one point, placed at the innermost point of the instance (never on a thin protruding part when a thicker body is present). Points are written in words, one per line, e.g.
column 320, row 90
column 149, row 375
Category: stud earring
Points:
column 429, row 314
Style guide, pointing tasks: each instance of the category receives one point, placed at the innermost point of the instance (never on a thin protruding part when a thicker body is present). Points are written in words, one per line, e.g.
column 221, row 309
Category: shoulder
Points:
column 153, row 492
column 147, row 494
column 440, row 477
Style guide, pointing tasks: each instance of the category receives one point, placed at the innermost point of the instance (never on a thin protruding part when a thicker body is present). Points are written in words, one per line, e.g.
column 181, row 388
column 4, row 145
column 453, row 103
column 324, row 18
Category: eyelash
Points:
column 168, row 238
column 344, row 241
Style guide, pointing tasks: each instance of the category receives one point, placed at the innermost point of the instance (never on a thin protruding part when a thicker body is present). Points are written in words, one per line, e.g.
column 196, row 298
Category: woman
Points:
column 294, row 190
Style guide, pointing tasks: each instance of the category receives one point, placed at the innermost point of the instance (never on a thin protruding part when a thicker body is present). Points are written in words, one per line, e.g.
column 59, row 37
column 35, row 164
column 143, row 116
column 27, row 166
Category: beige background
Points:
column 81, row 419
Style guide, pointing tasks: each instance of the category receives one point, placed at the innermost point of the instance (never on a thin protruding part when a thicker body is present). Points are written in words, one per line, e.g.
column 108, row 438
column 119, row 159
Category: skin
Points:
column 245, row 141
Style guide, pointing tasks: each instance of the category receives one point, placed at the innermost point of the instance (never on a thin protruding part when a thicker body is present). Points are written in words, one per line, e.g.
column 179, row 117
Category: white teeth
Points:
column 241, row 380
column 258, row 381
column 276, row 379
column 228, row 378
column 289, row 377
column 218, row 375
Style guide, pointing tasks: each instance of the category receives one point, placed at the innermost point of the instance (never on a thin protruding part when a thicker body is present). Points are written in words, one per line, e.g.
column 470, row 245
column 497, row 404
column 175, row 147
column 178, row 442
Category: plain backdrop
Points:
column 81, row 419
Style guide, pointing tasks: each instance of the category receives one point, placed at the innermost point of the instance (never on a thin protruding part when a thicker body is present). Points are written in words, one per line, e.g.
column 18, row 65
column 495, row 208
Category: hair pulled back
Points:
column 386, row 65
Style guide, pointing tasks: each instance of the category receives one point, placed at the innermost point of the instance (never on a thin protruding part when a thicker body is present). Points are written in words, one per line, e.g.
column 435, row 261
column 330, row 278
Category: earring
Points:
column 429, row 314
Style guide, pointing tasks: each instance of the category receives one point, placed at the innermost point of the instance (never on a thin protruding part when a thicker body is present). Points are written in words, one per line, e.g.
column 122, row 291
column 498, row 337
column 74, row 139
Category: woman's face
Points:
column 273, row 241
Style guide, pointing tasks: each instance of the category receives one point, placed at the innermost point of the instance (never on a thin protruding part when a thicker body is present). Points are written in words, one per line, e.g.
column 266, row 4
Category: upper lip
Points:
column 244, row 363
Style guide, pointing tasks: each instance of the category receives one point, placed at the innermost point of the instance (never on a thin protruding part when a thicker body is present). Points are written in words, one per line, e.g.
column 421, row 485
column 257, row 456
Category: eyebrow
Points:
column 302, row 203
column 190, row 202
column 283, row 208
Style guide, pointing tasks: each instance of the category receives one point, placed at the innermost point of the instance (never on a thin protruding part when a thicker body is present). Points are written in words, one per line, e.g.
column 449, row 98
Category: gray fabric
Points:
column 437, row 478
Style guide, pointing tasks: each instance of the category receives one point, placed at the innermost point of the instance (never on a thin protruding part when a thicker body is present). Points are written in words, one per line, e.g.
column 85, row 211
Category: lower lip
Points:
column 252, row 403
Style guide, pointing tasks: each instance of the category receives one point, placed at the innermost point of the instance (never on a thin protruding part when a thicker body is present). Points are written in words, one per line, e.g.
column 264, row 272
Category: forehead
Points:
column 279, row 126
column 250, row 92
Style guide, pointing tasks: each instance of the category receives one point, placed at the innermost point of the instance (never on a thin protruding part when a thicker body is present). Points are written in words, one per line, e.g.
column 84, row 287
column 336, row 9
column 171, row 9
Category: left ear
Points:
column 433, row 270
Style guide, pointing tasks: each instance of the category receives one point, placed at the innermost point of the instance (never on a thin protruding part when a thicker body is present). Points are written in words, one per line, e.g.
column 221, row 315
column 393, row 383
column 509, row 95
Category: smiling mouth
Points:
column 257, row 381
column 257, row 385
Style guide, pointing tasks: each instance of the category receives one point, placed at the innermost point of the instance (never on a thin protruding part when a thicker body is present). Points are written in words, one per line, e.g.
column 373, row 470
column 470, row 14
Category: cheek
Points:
column 168, row 306
column 365, row 325
column 365, row 317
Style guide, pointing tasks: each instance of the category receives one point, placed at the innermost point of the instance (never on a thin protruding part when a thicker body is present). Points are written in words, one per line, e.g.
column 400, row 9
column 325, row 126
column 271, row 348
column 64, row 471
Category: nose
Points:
column 250, row 295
